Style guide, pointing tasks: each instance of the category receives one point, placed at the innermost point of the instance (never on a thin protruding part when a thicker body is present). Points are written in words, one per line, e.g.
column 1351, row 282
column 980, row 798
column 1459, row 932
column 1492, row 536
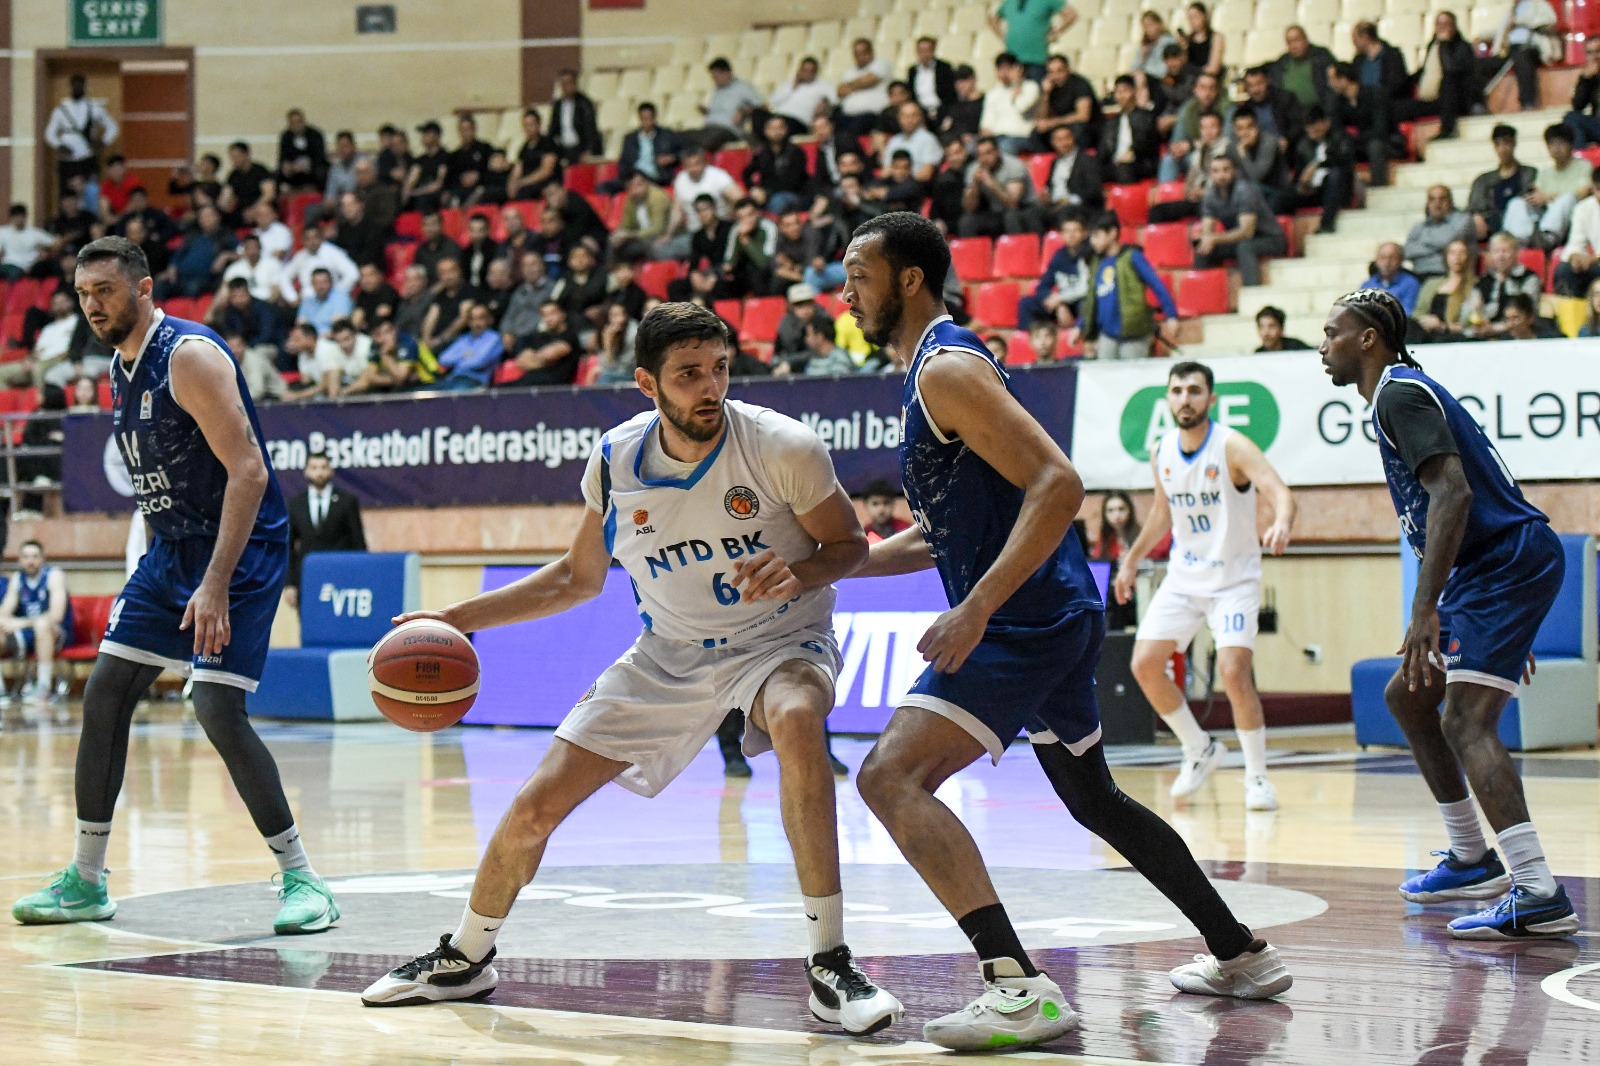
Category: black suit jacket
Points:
column 584, row 120
column 1085, row 183
column 944, row 81
column 667, row 143
column 1146, row 141
column 340, row 531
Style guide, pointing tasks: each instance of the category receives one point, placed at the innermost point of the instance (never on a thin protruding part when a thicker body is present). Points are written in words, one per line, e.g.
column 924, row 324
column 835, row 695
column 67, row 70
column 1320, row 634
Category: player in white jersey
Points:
column 733, row 528
column 1207, row 479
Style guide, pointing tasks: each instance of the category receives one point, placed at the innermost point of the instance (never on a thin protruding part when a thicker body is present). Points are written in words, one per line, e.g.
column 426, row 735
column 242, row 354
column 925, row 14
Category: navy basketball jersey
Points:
column 965, row 509
column 1497, row 503
column 177, row 479
column 33, row 597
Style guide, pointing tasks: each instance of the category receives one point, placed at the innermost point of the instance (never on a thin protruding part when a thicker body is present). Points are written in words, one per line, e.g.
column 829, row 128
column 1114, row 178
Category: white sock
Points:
column 826, row 922
column 290, row 853
column 1466, row 834
column 1194, row 739
column 1253, row 744
column 475, row 935
column 46, row 675
column 89, row 853
column 1520, row 844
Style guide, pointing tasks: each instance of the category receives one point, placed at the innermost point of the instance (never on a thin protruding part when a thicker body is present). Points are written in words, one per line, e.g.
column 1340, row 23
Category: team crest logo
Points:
column 741, row 503
column 1455, row 646
column 641, row 517
column 1211, row 472
column 145, row 405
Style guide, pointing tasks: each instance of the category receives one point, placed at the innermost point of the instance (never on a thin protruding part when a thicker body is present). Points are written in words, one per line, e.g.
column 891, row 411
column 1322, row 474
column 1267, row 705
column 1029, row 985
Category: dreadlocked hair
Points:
column 1384, row 313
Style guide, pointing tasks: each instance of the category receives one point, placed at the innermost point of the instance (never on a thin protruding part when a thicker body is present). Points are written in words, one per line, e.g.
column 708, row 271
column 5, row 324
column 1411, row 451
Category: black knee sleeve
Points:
column 220, row 711
column 115, row 688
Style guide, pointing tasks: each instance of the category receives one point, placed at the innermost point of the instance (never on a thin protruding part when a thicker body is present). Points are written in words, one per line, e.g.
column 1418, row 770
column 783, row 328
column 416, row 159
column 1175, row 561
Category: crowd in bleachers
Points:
column 1084, row 219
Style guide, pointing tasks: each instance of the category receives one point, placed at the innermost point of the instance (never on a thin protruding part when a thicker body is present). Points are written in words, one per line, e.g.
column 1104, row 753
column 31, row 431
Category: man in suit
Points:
column 1130, row 143
column 650, row 150
column 573, row 121
column 932, row 80
column 321, row 519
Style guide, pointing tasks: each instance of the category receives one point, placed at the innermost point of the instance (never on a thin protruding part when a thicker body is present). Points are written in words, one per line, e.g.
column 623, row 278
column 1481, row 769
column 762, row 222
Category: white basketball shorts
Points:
column 656, row 707
column 1177, row 616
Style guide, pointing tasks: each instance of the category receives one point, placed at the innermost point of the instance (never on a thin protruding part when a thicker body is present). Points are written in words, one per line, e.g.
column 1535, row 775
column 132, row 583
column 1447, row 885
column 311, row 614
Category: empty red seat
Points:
column 294, row 210
column 1052, row 244
column 761, row 317
column 22, row 295
column 506, row 372
column 581, row 177
column 996, row 304
column 733, row 160
column 731, row 312
column 104, row 388
column 1168, row 192
column 973, row 258
column 1039, row 166
column 1019, row 350
column 1130, row 202
column 90, row 615
column 1286, row 223
column 654, row 276
column 1166, row 244
column 605, row 172
column 399, row 256
column 1016, row 255
column 588, row 370
column 408, row 224
column 11, row 328
column 1202, row 292
column 1534, row 259
column 455, row 224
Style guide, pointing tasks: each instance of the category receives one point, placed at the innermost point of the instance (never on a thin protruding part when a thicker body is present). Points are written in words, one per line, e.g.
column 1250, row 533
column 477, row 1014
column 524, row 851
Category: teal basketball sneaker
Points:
column 67, row 898
column 308, row 906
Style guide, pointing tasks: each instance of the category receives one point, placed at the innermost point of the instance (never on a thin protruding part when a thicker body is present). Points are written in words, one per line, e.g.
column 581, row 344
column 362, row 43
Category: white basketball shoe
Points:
column 1196, row 770
column 1014, row 1011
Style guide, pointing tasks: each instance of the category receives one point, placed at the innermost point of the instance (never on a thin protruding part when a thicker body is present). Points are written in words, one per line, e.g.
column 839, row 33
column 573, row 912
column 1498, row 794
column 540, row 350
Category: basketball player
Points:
column 201, row 600
column 733, row 527
column 1206, row 478
column 993, row 500
column 1490, row 569
column 36, row 616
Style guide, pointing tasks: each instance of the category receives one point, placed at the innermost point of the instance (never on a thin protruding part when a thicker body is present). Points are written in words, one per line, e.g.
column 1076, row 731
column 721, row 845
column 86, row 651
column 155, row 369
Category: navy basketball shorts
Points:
column 143, row 626
column 1492, row 607
column 29, row 638
column 1041, row 679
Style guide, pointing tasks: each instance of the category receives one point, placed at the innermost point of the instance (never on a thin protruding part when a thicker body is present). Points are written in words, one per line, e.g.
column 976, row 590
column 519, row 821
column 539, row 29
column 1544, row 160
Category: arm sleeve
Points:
column 1152, row 280
column 797, row 462
column 1413, row 420
column 592, row 491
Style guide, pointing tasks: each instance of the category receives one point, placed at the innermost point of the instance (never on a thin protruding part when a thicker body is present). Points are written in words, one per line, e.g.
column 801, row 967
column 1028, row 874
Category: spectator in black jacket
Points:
column 1302, row 70
column 1584, row 118
column 1066, row 99
column 949, row 186
column 1494, row 189
column 358, row 235
column 963, row 117
column 576, row 211
column 1324, row 165
column 1262, row 161
column 1368, row 109
column 1130, row 145
column 932, row 80
column 1379, row 64
column 1277, row 112
column 650, row 149
column 435, row 245
column 1074, row 179
column 302, row 154
column 469, row 164
column 1062, row 287
column 776, row 174
column 573, row 122
column 1446, row 81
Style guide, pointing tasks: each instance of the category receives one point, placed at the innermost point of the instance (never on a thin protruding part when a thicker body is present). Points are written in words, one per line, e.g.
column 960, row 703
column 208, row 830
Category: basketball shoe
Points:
column 1259, row 795
column 1196, row 770
column 1455, row 879
column 843, row 995
column 67, row 898
column 308, row 906
column 1014, row 1011
column 443, row 973
column 1520, row 916
column 1258, row 974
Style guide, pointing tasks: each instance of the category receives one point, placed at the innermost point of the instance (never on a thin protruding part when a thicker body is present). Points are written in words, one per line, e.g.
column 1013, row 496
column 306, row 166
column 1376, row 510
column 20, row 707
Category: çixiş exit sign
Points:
column 120, row 22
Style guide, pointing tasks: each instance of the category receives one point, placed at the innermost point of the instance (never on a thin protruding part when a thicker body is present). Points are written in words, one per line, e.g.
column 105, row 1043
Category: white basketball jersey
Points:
column 1214, row 541
column 679, row 537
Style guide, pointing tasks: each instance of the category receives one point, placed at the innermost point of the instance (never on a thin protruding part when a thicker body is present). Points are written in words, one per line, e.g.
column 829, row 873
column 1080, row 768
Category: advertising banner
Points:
column 1538, row 402
column 528, row 447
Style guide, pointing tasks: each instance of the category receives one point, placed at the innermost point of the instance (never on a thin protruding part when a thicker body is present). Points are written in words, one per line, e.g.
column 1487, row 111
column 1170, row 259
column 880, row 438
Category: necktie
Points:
column 319, row 509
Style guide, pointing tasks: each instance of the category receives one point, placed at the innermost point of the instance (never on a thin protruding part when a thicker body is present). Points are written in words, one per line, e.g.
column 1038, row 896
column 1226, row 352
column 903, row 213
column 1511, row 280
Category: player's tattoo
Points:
column 249, row 430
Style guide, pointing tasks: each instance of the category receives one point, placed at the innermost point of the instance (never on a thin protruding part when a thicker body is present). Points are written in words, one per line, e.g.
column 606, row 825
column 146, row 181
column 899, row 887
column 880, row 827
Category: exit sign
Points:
column 114, row 22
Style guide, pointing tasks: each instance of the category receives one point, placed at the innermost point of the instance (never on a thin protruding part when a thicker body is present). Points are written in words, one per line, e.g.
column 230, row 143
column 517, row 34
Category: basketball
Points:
column 423, row 675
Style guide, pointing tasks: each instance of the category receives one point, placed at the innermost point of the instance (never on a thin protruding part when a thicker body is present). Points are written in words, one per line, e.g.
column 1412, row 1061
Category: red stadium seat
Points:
column 294, row 210
column 581, row 177
column 1130, row 234
column 761, row 317
column 1286, row 223
column 1166, row 244
column 104, row 387
column 1052, row 245
column 22, row 295
column 1039, row 166
column 455, row 224
column 996, row 304
column 1130, row 202
column 809, row 149
column 613, row 215
column 408, row 224
column 601, row 204
column 588, row 370
column 653, row 276
column 13, row 355
column 11, row 329
column 733, row 160
column 973, row 258
column 1202, row 292
column 1534, row 259
column 1167, row 192
column 506, row 372
column 90, row 615
column 605, row 172
column 399, row 255
column 1019, row 350
column 1016, row 255
column 731, row 311
column 531, row 212
column 497, row 229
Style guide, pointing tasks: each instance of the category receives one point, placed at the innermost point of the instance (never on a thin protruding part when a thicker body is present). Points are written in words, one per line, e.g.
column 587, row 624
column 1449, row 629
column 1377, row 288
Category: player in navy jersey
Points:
column 202, row 598
column 36, row 616
column 993, row 498
column 1490, row 569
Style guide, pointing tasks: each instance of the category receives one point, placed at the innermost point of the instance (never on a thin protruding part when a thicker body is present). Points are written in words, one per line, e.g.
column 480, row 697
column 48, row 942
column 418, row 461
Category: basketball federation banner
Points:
column 1538, row 402
column 528, row 447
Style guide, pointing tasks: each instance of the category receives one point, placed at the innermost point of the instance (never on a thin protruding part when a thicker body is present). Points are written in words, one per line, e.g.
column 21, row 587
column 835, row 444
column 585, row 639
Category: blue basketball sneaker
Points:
column 1454, row 879
column 1520, row 916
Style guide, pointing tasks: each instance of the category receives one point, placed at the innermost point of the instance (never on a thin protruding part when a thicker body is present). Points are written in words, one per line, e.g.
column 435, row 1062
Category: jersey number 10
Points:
column 1199, row 523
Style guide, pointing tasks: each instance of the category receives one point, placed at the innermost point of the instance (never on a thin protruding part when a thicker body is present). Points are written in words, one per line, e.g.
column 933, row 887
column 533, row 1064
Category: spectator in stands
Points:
column 932, row 80
column 1202, row 46
column 917, row 140
column 1066, row 99
column 115, row 187
column 579, row 215
column 498, row 285
column 1591, row 322
column 302, row 154
column 614, row 344
column 539, row 157
column 470, row 360
column 962, row 118
column 1446, row 81
column 553, row 241
column 1028, row 27
column 573, row 121
column 830, row 143
column 1390, row 275
column 896, row 189
column 360, row 237
column 698, row 178
column 949, row 187
column 1503, row 276
column 22, row 247
column 447, row 313
column 793, row 252
column 263, row 273
column 747, row 265
column 646, row 214
column 1044, row 337
column 156, row 222
column 823, row 356
column 1007, row 106
column 1579, row 267
column 650, row 149
column 317, row 252
column 242, row 314
column 343, row 361
column 1119, row 528
column 1324, row 164
column 789, row 346
column 622, row 287
column 84, row 396
column 322, row 305
column 1527, row 38
column 394, row 155
column 864, row 93
column 398, row 361
column 341, row 168
column 249, row 183
column 1210, row 145
column 1150, row 52
column 1186, row 130
column 276, row 239
column 380, row 201
column 802, row 98
column 777, row 175
column 1369, row 111
column 1444, row 303
column 424, row 188
column 195, row 267
column 825, row 239
column 435, row 245
column 725, row 112
column 1117, row 316
column 1584, row 118
column 878, row 505
column 53, row 341
column 479, row 251
column 1379, row 64
column 516, row 239
column 416, row 298
column 1540, row 217
column 1523, row 322
column 708, row 247
column 1269, row 328
column 1494, row 190
column 1130, row 145
column 550, row 355
column 1000, row 196
column 375, row 299
column 1249, row 228
column 581, row 289
column 1441, row 225
column 71, row 225
column 1302, row 70
column 1058, row 296
column 1261, row 161
column 997, row 347
column 1277, row 112
column 521, row 315
column 1075, row 179
column 468, row 165
column 1166, row 95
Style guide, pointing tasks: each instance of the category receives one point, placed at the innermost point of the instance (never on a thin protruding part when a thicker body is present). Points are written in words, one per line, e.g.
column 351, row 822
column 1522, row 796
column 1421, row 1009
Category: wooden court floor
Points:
column 663, row 932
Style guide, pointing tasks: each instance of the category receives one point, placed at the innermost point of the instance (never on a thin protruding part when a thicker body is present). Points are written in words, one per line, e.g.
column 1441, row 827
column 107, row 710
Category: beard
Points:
column 681, row 420
column 1191, row 421
column 117, row 327
column 881, row 330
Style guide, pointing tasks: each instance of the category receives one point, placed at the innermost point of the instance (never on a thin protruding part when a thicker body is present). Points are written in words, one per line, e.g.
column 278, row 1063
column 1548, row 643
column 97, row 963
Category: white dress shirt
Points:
column 68, row 122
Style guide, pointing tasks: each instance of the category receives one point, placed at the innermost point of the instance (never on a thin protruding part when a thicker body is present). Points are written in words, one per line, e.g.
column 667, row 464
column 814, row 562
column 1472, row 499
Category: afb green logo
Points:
column 1246, row 406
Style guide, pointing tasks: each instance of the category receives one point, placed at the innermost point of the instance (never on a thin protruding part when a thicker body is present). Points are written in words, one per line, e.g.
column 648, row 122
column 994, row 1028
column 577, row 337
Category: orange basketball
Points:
column 423, row 675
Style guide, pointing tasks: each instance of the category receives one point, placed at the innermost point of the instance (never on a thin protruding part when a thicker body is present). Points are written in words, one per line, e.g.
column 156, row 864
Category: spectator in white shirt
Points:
column 802, row 99
column 50, row 347
column 932, row 80
column 1580, row 264
column 341, row 357
column 277, row 242
column 697, row 178
column 917, row 140
column 263, row 272
column 318, row 253
column 729, row 107
column 78, row 127
column 1008, row 107
column 22, row 247
column 865, row 93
